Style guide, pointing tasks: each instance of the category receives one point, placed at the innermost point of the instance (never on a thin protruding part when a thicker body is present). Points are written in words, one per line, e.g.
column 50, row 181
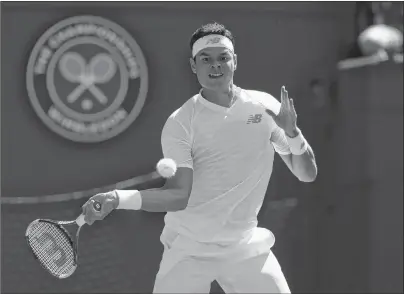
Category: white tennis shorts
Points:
column 184, row 273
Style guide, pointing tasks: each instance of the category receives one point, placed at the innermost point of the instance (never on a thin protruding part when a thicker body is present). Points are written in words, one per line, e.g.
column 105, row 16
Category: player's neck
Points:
column 223, row 97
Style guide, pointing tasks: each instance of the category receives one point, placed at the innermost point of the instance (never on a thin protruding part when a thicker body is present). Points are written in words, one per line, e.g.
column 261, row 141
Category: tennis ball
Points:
column 166, row 167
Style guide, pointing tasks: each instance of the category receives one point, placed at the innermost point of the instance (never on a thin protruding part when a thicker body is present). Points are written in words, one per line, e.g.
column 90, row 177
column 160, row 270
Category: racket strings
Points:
column 52, row 247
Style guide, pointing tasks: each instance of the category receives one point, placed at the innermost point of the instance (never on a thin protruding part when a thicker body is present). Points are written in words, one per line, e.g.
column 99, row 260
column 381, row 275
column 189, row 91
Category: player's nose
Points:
column 215, row 65
column 216, row 68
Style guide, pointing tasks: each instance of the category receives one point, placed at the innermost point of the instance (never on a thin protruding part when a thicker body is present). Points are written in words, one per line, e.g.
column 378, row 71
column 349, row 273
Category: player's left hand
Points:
column 287, row 117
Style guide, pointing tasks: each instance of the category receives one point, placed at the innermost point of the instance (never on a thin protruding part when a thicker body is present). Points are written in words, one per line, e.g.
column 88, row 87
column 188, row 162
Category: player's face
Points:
column 214, row 67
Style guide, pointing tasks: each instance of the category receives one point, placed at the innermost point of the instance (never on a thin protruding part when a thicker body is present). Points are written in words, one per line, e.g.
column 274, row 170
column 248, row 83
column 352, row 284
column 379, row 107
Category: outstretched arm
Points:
column 173, row 196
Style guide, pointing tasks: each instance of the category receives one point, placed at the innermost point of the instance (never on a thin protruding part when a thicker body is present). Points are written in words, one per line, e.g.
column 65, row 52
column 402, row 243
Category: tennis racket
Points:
column 53, row 246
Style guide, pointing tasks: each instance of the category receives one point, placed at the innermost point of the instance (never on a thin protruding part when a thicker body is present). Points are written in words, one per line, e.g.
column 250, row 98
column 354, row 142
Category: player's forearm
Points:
column 302, row 159
column 304, row 166
column 153, row 200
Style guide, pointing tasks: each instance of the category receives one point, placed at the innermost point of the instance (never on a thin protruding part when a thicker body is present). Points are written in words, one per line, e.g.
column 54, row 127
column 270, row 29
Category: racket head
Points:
column 52, row 245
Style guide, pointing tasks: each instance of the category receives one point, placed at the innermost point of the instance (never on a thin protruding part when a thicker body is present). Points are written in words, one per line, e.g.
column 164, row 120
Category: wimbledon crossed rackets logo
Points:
column 100, row 70
column 87, row 79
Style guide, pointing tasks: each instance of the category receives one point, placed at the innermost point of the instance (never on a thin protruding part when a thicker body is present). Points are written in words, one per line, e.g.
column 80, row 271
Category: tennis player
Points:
column 223, row 140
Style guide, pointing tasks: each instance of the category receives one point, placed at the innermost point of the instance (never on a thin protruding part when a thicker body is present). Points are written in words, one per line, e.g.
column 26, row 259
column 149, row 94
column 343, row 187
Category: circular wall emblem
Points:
column 87, row 79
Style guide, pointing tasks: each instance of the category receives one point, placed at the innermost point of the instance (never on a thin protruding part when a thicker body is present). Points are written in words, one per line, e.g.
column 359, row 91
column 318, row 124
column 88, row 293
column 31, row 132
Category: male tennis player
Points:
column 223, row 140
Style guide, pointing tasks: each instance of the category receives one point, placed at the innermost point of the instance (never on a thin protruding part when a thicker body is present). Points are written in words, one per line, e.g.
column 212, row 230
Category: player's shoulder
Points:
column 184, row 114
column 185, row 110
column 263, row 98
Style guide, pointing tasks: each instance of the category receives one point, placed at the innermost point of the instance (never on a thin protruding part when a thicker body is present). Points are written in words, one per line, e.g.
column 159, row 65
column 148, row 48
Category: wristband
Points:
column 129, row 199
column 298, row 145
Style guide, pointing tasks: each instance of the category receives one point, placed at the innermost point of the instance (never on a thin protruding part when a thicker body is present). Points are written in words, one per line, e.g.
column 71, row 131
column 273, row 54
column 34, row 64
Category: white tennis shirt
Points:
column 231, row 152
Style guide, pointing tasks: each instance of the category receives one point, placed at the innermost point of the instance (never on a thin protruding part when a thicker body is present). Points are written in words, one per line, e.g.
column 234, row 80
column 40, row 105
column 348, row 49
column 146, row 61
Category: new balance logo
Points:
column 254, row 119
column 213, row 40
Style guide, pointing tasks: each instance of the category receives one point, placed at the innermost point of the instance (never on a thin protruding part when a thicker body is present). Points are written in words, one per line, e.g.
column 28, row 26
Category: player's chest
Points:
column 243, row 131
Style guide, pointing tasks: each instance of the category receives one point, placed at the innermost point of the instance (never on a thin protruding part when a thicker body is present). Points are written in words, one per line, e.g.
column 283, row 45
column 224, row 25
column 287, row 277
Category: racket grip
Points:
column 80, row 220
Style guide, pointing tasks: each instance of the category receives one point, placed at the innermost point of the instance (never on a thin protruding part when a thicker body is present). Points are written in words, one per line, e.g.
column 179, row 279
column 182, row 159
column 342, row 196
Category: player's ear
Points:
column 193, row 65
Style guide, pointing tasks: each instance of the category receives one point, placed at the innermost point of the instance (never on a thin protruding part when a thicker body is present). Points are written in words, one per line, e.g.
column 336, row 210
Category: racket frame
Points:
column 59, row 226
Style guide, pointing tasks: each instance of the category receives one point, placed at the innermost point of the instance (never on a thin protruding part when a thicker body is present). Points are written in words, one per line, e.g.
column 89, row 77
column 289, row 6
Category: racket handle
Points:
column 80, row 220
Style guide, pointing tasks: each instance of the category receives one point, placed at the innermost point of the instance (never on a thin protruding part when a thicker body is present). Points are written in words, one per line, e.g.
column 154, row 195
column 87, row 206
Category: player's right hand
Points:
column 99, row 206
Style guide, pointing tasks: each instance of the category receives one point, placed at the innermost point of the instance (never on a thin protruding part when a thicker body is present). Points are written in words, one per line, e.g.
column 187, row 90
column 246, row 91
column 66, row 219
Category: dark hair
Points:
column 212, row 28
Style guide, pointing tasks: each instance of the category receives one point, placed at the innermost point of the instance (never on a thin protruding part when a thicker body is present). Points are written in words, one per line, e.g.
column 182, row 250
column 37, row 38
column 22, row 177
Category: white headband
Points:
column 212, row 41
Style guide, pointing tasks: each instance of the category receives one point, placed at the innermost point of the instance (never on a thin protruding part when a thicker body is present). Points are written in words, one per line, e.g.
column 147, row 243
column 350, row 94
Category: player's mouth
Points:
column 215, row 75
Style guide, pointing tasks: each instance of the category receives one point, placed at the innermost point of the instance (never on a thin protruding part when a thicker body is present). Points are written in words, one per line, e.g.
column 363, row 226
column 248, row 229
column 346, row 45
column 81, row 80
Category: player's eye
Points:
column 224, row 58
column 205, row 59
